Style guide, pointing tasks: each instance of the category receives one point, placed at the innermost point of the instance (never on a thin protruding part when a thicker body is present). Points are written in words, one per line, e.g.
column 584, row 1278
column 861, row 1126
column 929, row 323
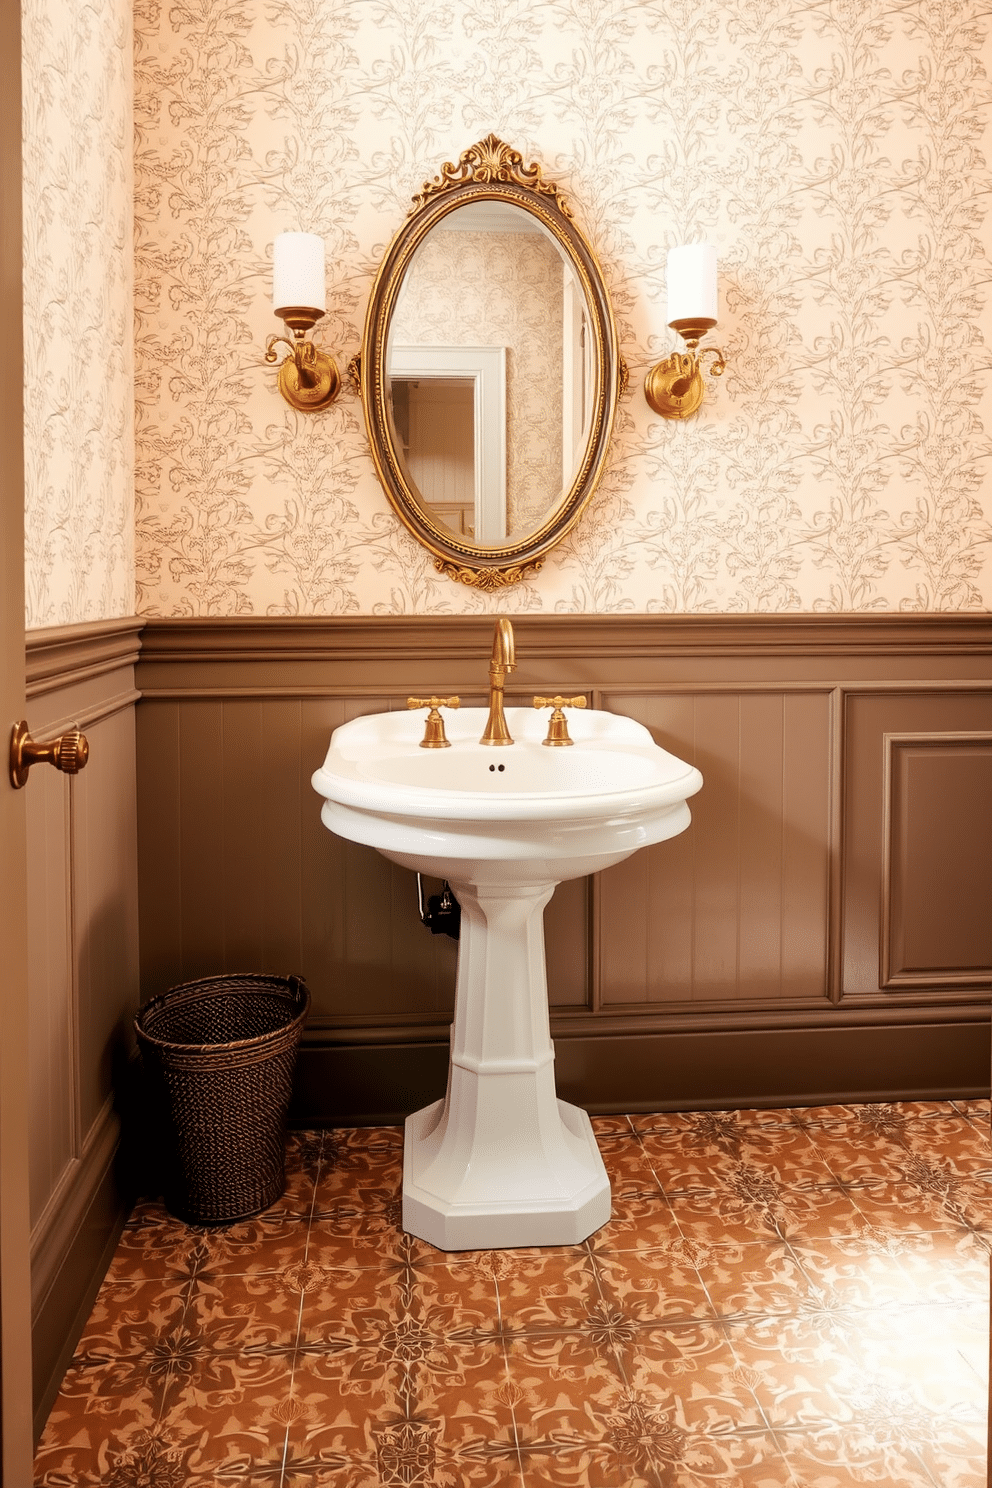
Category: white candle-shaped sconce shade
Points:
column 298, row 272
column 692, row 292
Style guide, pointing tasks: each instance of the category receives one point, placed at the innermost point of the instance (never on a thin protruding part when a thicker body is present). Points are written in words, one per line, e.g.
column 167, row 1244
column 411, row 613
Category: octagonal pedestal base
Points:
column 504, row 1197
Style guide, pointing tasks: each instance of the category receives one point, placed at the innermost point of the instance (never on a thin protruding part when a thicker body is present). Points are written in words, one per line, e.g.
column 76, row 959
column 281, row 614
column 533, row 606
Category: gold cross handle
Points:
column 557, row 725
column 434, row 736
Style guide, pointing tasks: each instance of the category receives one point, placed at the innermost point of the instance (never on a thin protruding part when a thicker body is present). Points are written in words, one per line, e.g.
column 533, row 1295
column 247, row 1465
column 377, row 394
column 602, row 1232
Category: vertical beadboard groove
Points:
column 836, row 775
column 74, row 1030
column 729, row 877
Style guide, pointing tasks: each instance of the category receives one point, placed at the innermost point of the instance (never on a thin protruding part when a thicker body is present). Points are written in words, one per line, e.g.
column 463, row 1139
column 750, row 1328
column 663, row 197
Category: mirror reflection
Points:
column 490, row 372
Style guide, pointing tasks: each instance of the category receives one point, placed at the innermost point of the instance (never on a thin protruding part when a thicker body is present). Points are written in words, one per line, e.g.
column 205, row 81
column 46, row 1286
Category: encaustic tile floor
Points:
column 782, row 1299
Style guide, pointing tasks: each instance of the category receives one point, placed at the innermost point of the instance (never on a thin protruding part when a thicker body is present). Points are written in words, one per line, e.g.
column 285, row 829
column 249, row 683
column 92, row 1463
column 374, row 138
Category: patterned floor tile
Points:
column 694, row 1370
column 882, row 1449
column 635, row 1433
column 553, row 1289
column 351, row 1171
column 128, row 1316
column 151, row 1456
column 707, row 1156
column 442, row 1404
column 612, row 1126
column 802, row 1369
column 760, row 1279
column 628, row 1165
column 246, row 1313
column 899, row 1206
column 859, row 1157
column 227, row 1415
column 637, row 1220
column 804, row 1305
column 696, row 1124
column 944, row 1268
column 593, row 1429
column 752, row 1205
column 362, row 1225
column 654, row 1285
column 154, row 1245
column 921, row 1352
column 270, row 1242
column 101, row 1415
column 858, row 1272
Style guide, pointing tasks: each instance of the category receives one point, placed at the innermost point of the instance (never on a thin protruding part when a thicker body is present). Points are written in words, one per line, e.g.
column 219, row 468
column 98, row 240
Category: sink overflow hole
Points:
column 496, row 767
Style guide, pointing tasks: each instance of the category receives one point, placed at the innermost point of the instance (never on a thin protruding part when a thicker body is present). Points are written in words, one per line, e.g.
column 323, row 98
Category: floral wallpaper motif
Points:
column 464, row 289
column 78, row 276
column 835, row 150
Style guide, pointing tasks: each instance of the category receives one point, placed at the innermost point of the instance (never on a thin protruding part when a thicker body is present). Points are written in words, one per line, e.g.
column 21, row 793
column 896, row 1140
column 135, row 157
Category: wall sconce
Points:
column 308, row 379
column 674, row 387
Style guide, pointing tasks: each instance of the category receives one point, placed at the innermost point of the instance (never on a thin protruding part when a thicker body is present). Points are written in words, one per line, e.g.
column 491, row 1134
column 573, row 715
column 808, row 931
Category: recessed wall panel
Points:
column 105, row 910
column 736, row 907
column 51, row 1008
column 937, row 872
column 916, row 796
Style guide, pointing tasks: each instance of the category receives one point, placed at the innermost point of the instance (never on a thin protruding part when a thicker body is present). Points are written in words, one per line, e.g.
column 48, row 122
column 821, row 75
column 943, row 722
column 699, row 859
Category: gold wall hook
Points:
column 68, row 753
column 558, row 735
column 434, row 735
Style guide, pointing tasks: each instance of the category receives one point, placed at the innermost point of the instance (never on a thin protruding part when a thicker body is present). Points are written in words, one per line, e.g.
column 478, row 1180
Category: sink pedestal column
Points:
column 501, row 1161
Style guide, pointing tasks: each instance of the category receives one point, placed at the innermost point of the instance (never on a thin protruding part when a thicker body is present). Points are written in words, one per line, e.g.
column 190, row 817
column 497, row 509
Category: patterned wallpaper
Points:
column 464, row 289
column 835, row 150
column 78, row 276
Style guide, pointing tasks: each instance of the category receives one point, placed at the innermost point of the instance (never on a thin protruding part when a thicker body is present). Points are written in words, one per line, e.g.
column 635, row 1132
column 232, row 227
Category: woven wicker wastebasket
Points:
column 220, row 1054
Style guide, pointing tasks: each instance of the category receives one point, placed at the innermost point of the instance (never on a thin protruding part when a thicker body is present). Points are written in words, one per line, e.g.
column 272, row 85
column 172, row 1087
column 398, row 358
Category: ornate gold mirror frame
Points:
column 488, row 172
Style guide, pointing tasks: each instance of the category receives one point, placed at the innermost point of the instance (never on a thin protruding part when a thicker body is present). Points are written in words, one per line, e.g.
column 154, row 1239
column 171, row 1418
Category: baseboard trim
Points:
column 56, row 1227
column 376, row 1084
column 71, row 1246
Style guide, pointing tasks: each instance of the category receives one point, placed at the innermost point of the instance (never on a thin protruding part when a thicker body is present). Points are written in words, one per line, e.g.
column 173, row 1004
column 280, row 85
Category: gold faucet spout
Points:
column 503, row 661
column 504, row 650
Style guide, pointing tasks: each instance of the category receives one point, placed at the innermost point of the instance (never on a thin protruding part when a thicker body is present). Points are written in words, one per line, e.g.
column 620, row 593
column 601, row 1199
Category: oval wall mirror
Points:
column 489, row 369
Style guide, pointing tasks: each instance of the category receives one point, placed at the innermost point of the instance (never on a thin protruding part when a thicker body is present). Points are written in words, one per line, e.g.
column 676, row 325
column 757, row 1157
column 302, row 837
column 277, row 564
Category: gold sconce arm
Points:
column 308, row 379
column 674, row 387
column 558, row 735
column 434, row 735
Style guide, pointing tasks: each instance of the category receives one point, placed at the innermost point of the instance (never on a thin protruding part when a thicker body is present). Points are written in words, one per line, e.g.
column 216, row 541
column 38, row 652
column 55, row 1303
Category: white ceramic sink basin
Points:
column 561, row 812
column 501, row 1161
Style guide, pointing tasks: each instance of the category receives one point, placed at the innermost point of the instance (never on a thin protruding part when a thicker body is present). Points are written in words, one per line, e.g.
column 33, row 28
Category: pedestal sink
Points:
column 501, row 1161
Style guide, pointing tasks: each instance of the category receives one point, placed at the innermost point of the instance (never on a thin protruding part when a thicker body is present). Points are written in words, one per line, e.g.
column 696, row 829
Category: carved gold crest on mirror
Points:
column 489, row 369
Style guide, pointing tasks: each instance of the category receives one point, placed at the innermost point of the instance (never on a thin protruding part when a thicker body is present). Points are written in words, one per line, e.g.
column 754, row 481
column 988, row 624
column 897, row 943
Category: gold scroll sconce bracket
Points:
column 674, row 387
column 68, row 753
column 308, row 379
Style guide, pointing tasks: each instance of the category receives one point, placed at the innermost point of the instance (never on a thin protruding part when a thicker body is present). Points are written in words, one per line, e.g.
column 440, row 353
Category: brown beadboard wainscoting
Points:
column 82, row 974
column 820, row 933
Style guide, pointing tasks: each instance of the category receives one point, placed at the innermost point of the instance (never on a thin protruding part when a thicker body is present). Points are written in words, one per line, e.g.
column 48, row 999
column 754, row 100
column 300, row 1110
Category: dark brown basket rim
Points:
column 232, row 982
